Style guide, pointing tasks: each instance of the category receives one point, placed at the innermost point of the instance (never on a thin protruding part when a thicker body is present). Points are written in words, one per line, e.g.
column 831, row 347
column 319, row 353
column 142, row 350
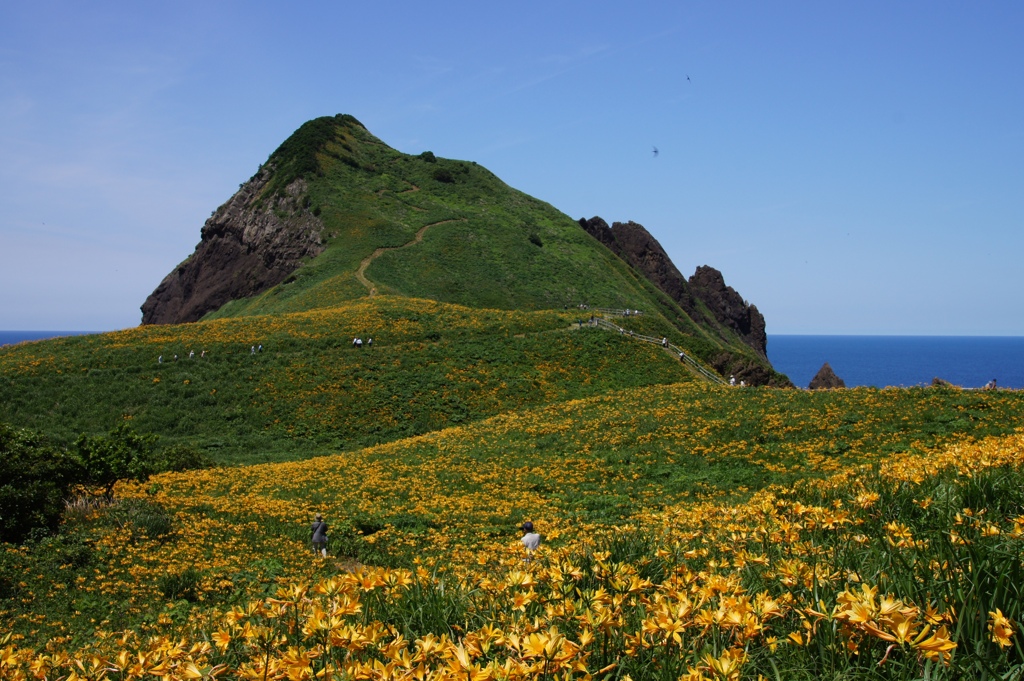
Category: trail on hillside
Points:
column 676, row 351
column 361, row 272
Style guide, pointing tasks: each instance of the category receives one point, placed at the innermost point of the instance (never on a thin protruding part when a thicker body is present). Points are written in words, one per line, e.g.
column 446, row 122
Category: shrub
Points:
column 444, row 175
column 37, row 477
column 121, row 455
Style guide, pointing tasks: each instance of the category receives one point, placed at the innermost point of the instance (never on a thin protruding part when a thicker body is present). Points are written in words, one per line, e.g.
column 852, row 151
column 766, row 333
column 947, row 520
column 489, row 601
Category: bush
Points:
column 37, row 477
column 121, row 455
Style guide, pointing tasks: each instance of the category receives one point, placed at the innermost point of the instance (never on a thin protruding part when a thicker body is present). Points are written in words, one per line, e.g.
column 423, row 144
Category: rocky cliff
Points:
column 729, row 307
column 246, row 247
column 634, row 244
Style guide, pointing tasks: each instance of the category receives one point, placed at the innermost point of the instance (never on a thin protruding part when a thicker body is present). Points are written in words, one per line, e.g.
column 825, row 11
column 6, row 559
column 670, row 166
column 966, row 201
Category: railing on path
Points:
column 697, row 366
column 617, row 312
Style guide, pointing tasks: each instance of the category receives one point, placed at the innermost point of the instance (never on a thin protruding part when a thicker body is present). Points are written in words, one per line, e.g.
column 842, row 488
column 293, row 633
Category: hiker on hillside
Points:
column 319, row 530
column 531, row 540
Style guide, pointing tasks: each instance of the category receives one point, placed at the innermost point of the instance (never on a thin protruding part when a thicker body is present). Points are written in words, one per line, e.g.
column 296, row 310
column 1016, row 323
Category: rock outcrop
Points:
column 248, row 245
column 729, row 308
column 634, row 244
column 826, row 378
column 747, row 370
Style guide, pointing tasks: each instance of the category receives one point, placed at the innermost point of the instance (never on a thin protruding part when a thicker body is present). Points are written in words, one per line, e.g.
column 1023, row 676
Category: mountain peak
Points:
column 335, row 215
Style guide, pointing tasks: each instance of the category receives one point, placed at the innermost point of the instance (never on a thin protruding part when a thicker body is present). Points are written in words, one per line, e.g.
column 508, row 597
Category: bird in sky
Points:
column 655, row 149
column 687, row 78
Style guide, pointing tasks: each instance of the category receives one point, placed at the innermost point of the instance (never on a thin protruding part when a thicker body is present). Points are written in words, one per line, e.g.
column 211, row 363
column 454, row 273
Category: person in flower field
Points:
column 319, row 529
column 531, row 540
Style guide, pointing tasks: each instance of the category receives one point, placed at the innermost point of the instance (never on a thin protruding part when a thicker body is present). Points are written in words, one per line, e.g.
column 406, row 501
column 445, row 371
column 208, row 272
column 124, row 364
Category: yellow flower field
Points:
column 851, row 572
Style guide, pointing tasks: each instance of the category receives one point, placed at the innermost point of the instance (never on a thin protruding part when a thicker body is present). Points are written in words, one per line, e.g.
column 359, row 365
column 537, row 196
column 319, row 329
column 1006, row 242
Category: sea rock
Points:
column 826, row 378
column 248, row 245
column 729, row 308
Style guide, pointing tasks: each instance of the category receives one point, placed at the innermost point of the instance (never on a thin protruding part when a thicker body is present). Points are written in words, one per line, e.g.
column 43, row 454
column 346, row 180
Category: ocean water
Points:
column 967, row 361
column 12, row 337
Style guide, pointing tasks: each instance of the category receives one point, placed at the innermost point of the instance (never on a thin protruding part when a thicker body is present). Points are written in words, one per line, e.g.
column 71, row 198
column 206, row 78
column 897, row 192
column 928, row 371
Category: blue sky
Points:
column 850, row 167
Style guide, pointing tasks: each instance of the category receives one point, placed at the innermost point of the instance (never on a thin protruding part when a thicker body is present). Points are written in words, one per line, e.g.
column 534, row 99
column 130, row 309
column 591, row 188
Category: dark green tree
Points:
column 123, row 454
column 36, row 477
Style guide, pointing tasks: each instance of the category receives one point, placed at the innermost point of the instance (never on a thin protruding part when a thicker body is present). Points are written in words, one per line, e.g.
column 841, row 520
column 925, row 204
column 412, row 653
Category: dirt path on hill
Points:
column 361, row 272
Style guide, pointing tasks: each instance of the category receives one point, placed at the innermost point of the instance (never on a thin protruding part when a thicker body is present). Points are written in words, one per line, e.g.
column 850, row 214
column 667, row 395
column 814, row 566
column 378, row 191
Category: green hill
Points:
column 309, row 391
column 336, row 215
column 485, row 244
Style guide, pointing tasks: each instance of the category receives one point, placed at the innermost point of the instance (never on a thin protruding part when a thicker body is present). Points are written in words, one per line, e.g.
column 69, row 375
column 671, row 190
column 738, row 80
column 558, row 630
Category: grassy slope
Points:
column 310, row 392
column 456, row 496
column 603, row 459
column 486, row 245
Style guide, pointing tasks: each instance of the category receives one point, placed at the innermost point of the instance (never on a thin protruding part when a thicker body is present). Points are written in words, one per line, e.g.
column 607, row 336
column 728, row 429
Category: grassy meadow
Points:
column 689, row 532
column 309, row 391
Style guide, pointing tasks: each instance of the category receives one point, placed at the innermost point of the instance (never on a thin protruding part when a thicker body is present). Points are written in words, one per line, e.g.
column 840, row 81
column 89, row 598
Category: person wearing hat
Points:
column 531, row 540
column 319, row 529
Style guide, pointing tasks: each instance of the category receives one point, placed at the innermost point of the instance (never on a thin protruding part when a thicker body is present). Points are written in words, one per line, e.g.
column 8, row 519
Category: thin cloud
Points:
column 564, row 63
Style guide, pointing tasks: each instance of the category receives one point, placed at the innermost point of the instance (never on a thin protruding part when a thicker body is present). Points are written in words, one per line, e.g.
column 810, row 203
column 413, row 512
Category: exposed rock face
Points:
column 245, row 249
column 747, row 370
column 634, row 244
column 826, row 378
column 729, row 308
